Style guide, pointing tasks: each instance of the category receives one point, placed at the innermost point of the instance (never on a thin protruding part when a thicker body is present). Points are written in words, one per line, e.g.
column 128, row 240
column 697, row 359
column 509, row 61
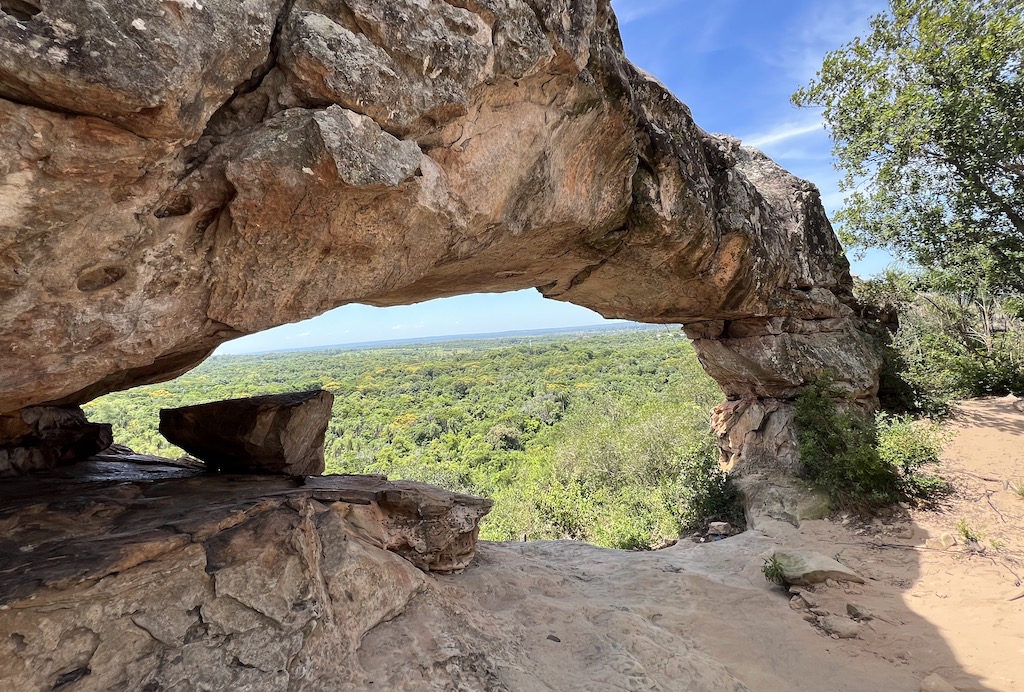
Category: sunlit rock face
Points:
column 200, row 582
column 178, row 174
column 273, row 433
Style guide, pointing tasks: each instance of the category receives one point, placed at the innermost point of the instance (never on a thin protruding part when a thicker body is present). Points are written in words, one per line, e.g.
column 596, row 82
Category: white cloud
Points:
column 821, row 28
column 782, row 133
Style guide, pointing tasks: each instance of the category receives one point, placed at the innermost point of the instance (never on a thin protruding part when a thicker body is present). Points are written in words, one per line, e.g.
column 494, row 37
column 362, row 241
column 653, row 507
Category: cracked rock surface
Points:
column 136, row 573
column 140, row 574
column 181, row 173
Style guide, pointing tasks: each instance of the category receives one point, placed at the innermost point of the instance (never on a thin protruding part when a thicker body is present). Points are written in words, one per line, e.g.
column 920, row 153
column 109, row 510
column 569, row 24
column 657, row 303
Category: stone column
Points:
column 762, row 365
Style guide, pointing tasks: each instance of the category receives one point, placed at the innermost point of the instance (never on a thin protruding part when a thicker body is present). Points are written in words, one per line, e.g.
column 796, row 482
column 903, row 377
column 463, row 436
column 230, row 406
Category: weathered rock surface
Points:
column 842, row 628
column 180, row 174
column 155, row 576
column 803, row 567
column 274, row 433
column 772, row 494
column 144, row 575
column 42, row 437
column 936, row 683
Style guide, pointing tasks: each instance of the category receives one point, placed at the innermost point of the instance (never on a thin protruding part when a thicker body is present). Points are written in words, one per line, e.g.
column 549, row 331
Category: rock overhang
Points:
column 260, row 163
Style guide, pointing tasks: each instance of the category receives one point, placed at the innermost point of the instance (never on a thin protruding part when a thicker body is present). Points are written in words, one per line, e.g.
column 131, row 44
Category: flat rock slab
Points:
column 806, row 567
column 104, row 516
column 128, row 572
column 277, row 433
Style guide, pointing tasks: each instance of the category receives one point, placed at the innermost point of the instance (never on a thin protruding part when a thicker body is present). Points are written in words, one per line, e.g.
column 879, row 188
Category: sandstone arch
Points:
column 179, row 175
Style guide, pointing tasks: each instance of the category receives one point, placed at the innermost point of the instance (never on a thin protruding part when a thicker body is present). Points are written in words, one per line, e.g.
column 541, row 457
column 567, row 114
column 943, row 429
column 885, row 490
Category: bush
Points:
column 865, row 462
column 708, row 494
column 839, row 451
column 954, row 339
column 912, row 446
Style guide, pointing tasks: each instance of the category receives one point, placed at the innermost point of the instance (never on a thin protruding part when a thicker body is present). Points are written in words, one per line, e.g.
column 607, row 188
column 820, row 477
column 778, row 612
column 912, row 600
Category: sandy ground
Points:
column 568, row 616
column 957, row 611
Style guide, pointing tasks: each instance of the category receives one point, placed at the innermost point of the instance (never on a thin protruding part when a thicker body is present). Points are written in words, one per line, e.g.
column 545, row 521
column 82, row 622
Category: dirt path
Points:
column 954, row 611
column 568, row 616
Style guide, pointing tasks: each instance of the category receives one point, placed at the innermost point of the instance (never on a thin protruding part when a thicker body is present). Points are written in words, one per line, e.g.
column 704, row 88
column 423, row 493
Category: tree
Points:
column 927, row 118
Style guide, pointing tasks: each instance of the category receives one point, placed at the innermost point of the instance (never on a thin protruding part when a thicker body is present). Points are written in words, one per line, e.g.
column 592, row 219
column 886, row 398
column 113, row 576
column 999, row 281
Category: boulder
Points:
column 841, row 627
column 859, row 612
column 805, row 567
column 772, row 496
column 720, row 528
column 944, row 541
column 42, row 437
column 276, row 433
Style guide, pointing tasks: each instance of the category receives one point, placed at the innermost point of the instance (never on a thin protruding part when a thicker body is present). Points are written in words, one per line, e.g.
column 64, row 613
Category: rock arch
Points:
column 180, row 175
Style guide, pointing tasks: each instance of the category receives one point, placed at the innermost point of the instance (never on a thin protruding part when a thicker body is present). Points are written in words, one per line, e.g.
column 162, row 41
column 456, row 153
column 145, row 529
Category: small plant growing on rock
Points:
column 772, row 570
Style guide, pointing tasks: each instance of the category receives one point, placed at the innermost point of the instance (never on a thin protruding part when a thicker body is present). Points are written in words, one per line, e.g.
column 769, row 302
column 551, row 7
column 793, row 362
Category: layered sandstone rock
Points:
column 184, row 173
column 43, row 437
column 274, row 433
column 203, row 582
column 137, row 574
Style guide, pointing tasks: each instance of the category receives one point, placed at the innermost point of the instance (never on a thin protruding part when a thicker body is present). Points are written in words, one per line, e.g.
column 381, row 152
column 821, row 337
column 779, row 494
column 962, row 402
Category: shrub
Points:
column 708, row 493
column 954, row 339
column 861, row 461
column 911, row 446
column 967, row 532
column 839, row 451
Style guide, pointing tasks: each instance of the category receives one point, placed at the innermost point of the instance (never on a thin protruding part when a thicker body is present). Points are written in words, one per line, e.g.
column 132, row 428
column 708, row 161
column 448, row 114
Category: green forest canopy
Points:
column 594, row 436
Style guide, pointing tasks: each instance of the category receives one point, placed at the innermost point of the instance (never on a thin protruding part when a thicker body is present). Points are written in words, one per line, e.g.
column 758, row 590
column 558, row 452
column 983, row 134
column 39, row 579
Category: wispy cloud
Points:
column 782, row 133
column 822, row 27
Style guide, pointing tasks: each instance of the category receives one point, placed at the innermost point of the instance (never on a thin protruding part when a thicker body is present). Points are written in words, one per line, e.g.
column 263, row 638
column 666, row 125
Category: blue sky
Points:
column 735, row 64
